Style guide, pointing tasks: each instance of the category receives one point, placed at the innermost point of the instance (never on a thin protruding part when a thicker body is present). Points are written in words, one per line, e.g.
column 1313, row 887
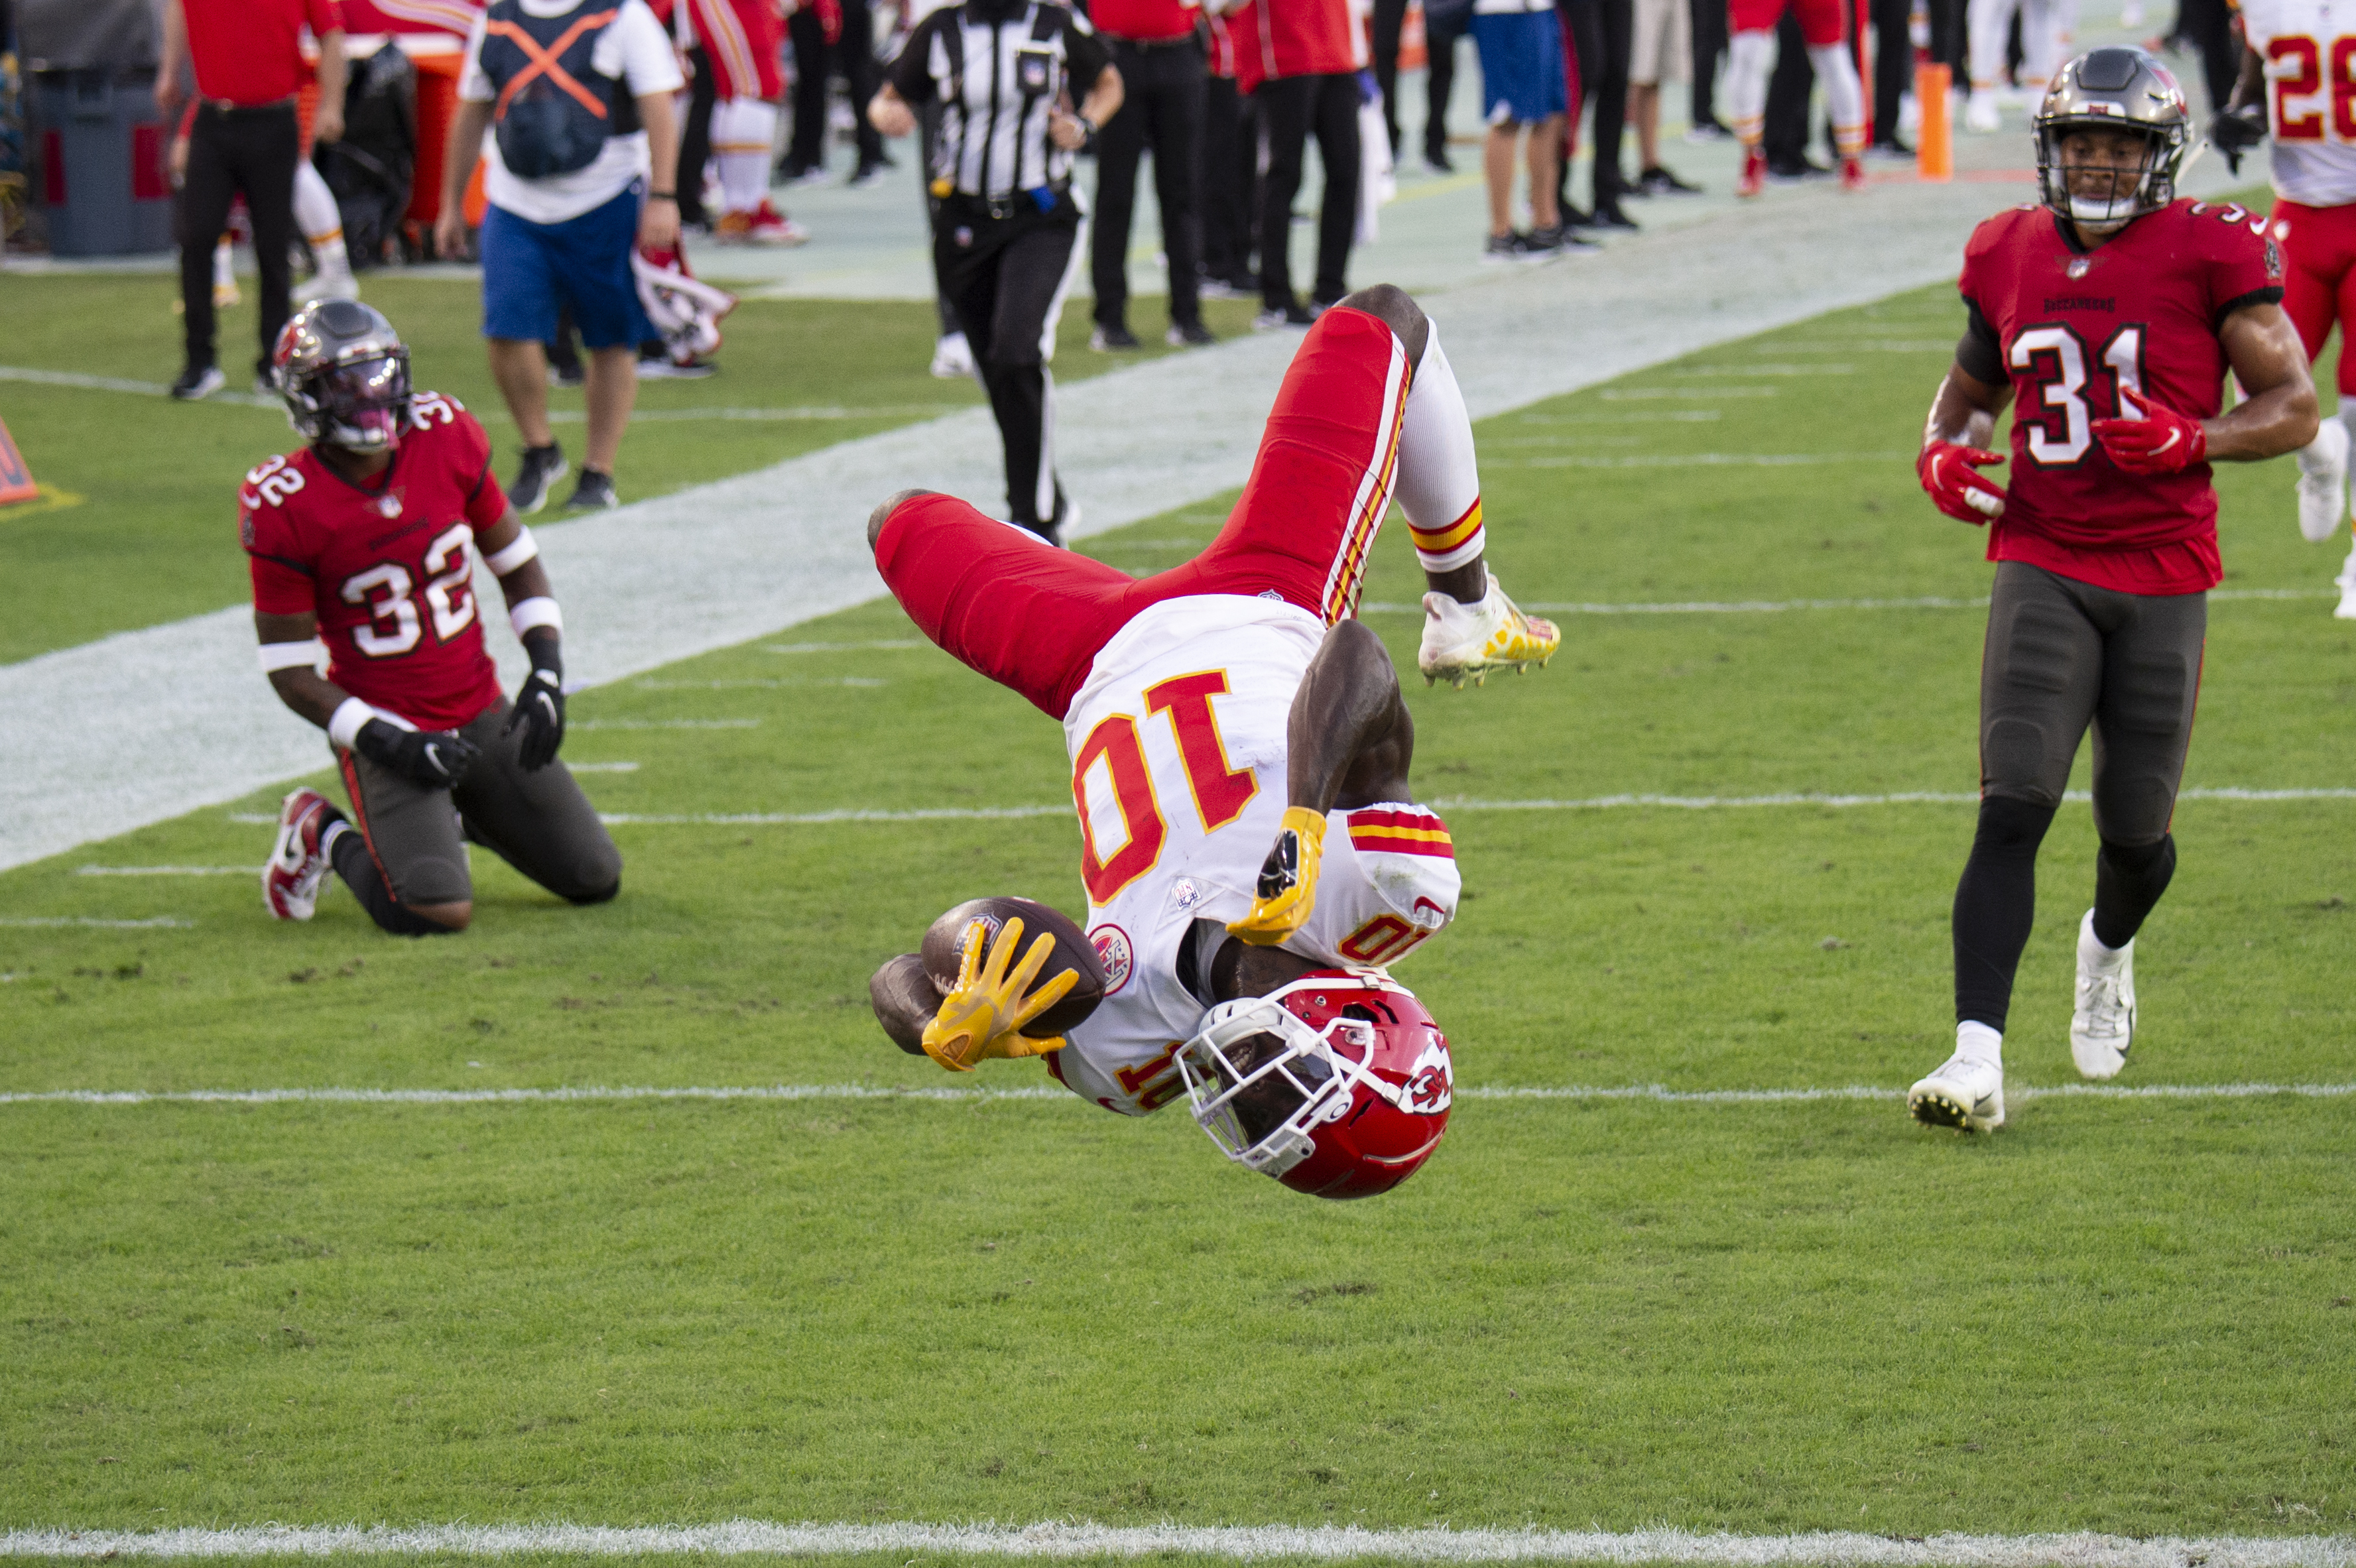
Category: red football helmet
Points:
column 1337, row 1084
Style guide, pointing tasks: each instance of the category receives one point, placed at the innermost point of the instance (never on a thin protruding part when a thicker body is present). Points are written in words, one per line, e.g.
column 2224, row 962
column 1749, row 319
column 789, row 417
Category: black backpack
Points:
column 371, row 170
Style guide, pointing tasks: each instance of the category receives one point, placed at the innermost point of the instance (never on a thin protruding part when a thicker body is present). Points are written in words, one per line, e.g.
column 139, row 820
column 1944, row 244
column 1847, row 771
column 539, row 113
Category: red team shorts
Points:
column 742, row 39
column 1033, row 618
column 1820, row 20
column 2319, row 246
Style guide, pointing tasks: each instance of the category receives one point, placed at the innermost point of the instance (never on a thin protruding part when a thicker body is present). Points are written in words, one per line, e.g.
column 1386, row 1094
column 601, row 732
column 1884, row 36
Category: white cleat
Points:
column 291, row 876
column 2323, row 482
column 1981, row 113
column 2102, row 1023
column 952, row 358
column 1465, row 642
column 1964, row 1092
column 329, row 286
column 2346, row 583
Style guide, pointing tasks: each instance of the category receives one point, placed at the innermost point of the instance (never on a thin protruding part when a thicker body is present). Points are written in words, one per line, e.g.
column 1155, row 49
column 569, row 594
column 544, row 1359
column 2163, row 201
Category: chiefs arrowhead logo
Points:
column 1431, row 1086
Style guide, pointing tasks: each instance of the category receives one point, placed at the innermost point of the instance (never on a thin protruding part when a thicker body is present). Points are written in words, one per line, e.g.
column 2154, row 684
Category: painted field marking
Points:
column 1785, row 606
column 842, row 647
column 581, row 768
column 1710, row 460
column 665, row 723
column 167, row 870
column 1667, row 416
column 115, row 384
column 1062, row 1539
column 684, row 416
column 819, row 819
column 156, row 923
column 602, row 1093
column 753, row 685
column 1703, row 372
column 1629, row 394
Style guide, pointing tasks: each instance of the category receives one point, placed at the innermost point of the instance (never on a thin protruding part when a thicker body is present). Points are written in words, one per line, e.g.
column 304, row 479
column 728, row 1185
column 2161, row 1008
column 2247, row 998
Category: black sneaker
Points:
column 1784, row 170
column 1436, row 160
column 1189, row 334
column 542, row 467
column 1112, row 340
column 198, row 381
column 1275, row 316
column 1502, row 248
column 1606, row 215
column 595, row 492
column 1659, row 181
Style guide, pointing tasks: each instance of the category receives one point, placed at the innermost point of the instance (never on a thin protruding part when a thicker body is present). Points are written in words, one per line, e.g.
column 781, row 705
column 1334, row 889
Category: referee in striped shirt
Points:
column 1007, row 75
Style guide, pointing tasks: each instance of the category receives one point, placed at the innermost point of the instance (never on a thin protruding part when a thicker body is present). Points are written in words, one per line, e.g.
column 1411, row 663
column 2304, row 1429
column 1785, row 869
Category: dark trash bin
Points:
column 101, row 151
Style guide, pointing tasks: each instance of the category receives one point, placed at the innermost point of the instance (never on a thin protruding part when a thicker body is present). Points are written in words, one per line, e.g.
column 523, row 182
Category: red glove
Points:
column 1951, row 478
column 2160, row 441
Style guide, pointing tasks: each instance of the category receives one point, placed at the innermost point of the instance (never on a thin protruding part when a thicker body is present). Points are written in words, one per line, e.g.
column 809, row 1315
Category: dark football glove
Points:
column 540, row 706
column 2236, row 130
column 432, row 759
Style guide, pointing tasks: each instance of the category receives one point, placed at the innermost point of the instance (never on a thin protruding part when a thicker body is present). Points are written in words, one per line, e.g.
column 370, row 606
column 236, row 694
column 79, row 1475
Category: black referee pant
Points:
column 1230, row 168
column 853, row 55
column 1162, row 95
column 1005, row 268
column 1291, row 109
column 251, row 152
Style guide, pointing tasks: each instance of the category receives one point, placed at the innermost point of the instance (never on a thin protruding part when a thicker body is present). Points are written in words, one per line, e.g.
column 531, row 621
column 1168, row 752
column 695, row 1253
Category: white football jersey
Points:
column 1178, row 772
column 2306, row 45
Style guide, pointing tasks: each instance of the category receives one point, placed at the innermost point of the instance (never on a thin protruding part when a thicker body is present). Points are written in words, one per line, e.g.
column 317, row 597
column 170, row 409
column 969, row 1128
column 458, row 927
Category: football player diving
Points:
column 2112, row 313
column 1214, row 711
column 366, row 540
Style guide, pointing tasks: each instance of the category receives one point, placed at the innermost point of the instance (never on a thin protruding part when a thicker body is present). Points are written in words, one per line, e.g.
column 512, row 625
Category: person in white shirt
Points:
column 581, row 161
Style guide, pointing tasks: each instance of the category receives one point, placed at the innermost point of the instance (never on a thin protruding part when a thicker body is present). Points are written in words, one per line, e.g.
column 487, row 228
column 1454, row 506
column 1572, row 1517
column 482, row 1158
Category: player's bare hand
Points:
column 1951, row 478
column 889, row 113
column 450, row 235
column 2161, row 441
column 327, row 124
column 982, row 1017
column 1287, row 881
column 659, row 225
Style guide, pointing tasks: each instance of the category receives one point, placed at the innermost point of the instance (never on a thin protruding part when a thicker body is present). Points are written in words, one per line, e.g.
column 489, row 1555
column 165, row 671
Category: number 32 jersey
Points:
column 388, row 570
column 2076, row 330
column 1179, row 774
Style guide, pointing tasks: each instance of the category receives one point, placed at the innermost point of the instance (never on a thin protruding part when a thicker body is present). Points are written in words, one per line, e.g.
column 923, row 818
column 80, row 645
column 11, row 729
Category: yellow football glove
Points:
column 1287, row 881
column 981, row 1018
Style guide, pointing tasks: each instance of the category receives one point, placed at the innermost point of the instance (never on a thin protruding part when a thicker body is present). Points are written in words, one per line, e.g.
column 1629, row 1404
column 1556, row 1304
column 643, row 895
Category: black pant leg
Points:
column 854, row 57
column 1893, row 63
column 1950, row 45
column 266, row 175
column 1224, row 245
column 1177, row 107
column 1119, row 145
column 1284, row 107
column 695, row 139
column 1389, row 17
column 205, row 198
column 1337, row 216
column 808, row 148
column 1785, row 138
column 539, row 823
column 1709, row 19
column 1439, row 38
column 1616, row 31
column 1579, row 26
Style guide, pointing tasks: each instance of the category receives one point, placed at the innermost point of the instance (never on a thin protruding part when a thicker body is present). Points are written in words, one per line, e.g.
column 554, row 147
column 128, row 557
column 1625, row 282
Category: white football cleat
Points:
column 2346, row 583
column 2102, row 1023
column 1964, row 1092
column 2323, row 482
column 291, row 876
column 952, row 358
column 1463, row 641
column 1981, row 113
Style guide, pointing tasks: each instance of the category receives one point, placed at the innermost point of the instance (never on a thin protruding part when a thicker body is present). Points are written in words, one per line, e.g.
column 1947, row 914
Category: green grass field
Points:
column 2135, row 1315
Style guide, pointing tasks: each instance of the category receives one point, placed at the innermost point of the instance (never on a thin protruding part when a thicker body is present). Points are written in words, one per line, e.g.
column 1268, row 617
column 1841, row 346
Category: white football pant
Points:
column 1751, row 56
column 316, row 216
column 2046, row 26
column 744, row 135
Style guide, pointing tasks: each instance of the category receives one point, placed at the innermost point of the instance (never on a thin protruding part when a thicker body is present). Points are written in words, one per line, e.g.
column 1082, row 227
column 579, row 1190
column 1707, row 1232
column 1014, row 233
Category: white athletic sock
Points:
column 742, row 131
column 224, row 274
column 1844, row 95
column 322, row 224
column 1439, row 474
column 1977, row 1042
column 1750, row 57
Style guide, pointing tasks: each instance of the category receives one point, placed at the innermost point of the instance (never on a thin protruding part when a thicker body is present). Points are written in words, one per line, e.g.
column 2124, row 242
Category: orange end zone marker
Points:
column 1934, row 151
column 15, row 478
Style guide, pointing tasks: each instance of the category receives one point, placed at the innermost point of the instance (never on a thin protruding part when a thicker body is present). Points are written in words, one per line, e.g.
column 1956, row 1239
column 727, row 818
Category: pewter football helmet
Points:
column 344, row 373
column 2117, row 90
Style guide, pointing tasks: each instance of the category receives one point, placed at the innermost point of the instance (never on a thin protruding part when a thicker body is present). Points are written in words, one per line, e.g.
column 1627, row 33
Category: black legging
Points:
column 1709, row 44
column 1441, row 33
column 1160, row 109
column 1616, row 32
column 1291, row 109
column 852, row 56
column 695, row 137
column 1230, row 162
column 252, row 151
column 1006, row 278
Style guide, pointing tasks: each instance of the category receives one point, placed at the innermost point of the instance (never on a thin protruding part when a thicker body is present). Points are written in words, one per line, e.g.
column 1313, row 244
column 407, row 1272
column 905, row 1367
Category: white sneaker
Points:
column 2323, row 482
column 291, row 876
column 952, row 358
column 1964, row 1092
column 1468, row 641
column 2102, row 1023
column 2346, row 581
column 1980, row 113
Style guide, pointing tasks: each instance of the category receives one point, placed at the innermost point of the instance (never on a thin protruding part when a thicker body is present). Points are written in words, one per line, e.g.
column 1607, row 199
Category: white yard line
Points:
column 1841, row 1549
column 598, row 1094
column 166, row 871
column 1784, row 607
column 98, row 922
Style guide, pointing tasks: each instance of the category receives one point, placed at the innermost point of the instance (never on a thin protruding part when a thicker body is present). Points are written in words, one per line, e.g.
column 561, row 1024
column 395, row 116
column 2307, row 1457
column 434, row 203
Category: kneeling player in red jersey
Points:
column 2113, row 312
column 1216, row 708
column 366, row 539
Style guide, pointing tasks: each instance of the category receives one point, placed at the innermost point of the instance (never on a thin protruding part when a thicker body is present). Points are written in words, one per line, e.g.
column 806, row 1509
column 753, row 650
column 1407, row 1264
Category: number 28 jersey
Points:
column 2076, row 330
column 1179, row 762
column 388, row 570
column 2311, row 98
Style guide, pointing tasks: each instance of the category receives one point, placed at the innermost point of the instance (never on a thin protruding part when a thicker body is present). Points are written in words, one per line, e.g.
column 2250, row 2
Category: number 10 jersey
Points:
column 2087, row 334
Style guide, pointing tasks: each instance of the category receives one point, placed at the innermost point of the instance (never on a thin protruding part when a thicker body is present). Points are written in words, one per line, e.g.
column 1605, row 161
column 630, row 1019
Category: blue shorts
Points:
column 1522, row 79
column 584, row 264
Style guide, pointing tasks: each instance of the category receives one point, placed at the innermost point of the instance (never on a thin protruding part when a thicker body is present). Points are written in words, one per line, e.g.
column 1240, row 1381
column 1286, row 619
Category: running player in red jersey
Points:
column 2113, row 313
column 366, row 540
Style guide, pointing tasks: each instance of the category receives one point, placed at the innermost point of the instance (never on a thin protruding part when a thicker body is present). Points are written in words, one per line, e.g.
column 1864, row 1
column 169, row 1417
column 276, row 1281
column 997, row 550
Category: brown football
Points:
column 944, row 948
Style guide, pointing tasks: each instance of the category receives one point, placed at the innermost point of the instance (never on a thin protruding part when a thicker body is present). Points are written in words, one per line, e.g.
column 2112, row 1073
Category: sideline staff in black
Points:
column 1005, row 226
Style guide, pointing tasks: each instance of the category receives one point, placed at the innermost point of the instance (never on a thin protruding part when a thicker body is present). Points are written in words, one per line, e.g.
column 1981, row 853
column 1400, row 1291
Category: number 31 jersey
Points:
column 1178, row 763
column 387, row 570
column 2076, row 329
column 2307, row 47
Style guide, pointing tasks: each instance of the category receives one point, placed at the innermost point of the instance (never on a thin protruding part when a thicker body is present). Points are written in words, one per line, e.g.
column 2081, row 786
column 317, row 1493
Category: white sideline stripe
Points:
column 589, row 768
column 753, row 685
column 156, row 923
column 1848, row 1549
column 1781, row 606
column 679, row 416
column 1707, row 460
column 819, row 819
column 167, row 870
column 597, row 1094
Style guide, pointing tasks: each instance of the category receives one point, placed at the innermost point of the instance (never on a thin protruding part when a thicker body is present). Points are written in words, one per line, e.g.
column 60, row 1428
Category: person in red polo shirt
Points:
column 1295, row 59
column 249, row 66
column 1158, row 47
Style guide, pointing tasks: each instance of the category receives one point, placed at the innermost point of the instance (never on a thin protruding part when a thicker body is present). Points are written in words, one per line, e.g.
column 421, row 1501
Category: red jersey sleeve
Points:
column 323, row 16
column 486, row 502
column 1976, row 251
column 283, row 570
column 2243, row 263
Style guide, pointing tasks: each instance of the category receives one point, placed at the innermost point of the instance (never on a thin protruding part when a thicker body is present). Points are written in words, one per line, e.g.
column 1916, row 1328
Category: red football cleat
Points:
column 290, row 878
column 1753, row 179
column 1852, row 174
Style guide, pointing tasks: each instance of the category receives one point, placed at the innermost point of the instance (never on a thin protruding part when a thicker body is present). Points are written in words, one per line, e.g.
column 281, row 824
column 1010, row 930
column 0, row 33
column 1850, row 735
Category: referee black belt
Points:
column 998, row 208
column 228, row 110
column 1181, row 41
